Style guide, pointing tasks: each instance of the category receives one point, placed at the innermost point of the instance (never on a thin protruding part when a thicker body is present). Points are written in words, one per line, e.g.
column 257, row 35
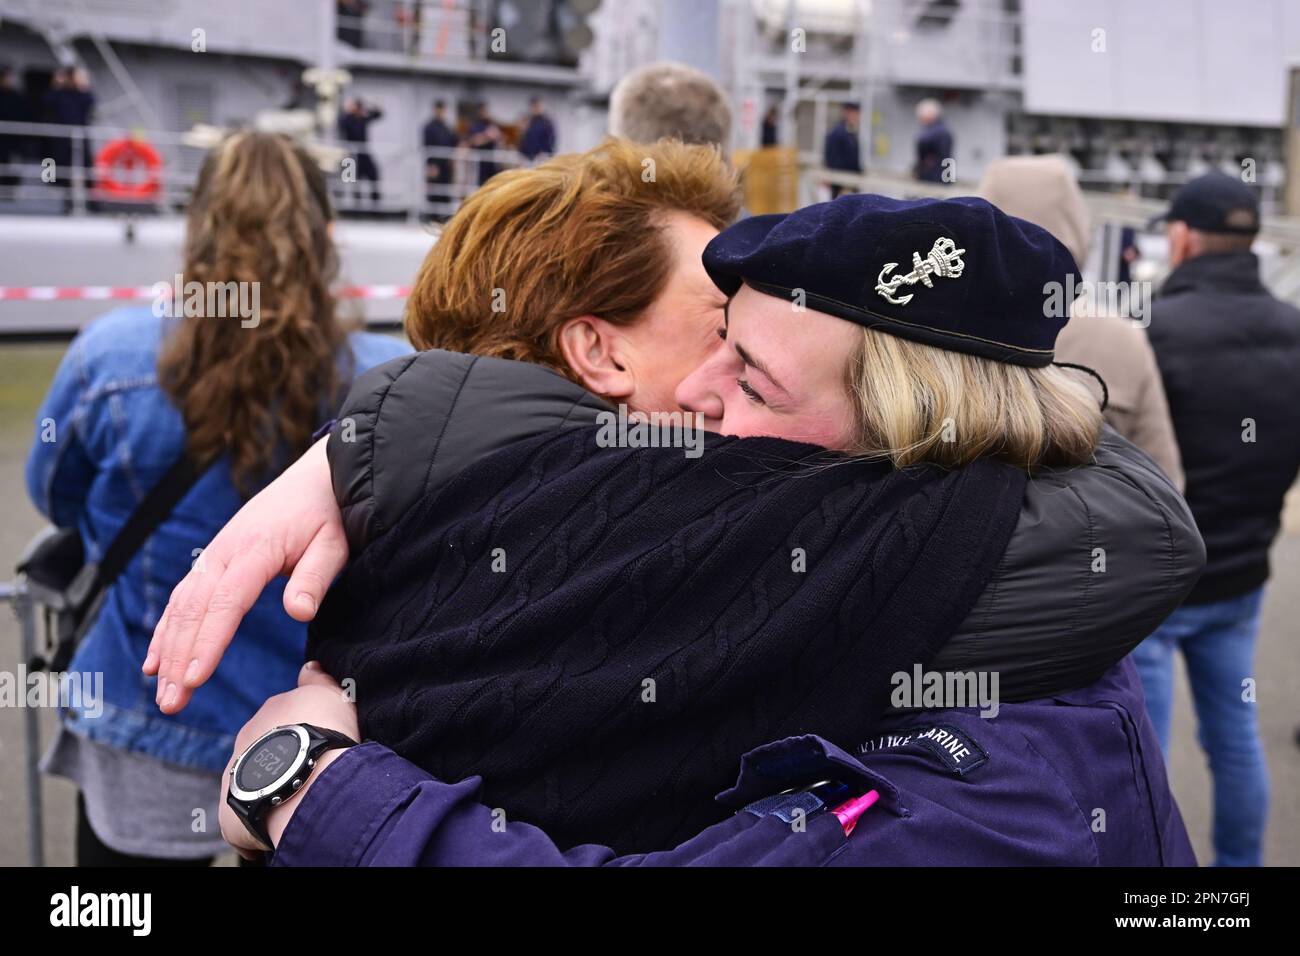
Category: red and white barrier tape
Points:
column 373, row 292
column 51, row 293
column 54, row 293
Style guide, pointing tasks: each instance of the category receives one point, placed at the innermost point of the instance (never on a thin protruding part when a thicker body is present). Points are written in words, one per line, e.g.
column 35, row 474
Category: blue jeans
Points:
column 1218, row 642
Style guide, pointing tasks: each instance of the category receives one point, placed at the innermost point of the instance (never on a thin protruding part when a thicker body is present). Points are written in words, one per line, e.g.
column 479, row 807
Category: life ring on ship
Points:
column 128, row 155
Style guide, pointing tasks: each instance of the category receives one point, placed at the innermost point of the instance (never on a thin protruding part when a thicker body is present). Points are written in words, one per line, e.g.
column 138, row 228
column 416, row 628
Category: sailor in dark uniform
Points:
column 1055, row 763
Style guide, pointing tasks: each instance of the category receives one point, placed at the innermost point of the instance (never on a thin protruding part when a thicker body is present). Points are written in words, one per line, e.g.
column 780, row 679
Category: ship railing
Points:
column 50, row 168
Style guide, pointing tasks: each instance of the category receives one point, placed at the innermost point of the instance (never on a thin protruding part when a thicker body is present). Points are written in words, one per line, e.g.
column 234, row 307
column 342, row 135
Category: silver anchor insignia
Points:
column 943, row 260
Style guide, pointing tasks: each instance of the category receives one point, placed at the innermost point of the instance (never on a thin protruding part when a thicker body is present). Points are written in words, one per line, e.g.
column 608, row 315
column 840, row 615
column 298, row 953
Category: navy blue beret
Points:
column 958, row 274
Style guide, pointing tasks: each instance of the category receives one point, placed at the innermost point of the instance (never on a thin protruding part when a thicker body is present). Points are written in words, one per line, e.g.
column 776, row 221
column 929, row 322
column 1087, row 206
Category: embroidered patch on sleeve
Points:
column 955, row 749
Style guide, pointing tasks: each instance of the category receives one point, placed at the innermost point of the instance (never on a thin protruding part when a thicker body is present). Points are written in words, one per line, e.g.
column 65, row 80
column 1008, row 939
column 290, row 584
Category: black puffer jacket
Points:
column 1099, row 558
column 1229, row 354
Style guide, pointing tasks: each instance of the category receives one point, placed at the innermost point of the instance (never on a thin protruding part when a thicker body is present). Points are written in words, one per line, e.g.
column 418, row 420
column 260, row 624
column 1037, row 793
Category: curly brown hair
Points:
column 260, row 214
column 582, row 234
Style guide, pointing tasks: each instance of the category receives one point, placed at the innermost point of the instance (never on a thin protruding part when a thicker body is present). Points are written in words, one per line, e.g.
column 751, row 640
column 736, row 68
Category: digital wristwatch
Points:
column 275, row 768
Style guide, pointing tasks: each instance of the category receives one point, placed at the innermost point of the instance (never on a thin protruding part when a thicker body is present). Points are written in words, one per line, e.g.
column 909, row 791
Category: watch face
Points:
column 268, row 761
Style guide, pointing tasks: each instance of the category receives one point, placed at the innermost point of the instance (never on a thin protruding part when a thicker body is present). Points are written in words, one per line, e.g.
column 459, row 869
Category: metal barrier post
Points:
column 77, row 140
column 17, row 595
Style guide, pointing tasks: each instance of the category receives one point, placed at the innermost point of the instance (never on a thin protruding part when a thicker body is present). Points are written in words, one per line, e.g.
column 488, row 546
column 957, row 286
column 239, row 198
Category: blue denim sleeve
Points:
column 59, row 468
column 372, row 808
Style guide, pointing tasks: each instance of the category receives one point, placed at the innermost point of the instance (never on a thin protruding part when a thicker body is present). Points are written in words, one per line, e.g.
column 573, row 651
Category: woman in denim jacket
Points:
column 238, row 372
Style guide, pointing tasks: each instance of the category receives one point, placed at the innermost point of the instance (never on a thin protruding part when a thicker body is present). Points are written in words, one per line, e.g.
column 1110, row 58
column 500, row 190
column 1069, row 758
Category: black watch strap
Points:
column 334, row 738
column 253, row 814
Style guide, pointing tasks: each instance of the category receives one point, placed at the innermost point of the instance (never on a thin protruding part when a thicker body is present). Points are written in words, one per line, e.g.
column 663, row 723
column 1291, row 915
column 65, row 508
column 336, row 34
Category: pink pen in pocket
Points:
column 849, row 812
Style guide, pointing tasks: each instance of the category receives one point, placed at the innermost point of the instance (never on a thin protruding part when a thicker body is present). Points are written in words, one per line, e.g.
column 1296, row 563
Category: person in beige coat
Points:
column 1043, row 190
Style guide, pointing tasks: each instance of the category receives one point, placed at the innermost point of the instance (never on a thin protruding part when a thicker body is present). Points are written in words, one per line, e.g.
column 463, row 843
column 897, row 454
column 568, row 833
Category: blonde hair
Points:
column 914, row 404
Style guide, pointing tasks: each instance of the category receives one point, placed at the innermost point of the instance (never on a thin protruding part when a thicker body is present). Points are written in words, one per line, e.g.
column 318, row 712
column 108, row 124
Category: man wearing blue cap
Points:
column 1229, row 354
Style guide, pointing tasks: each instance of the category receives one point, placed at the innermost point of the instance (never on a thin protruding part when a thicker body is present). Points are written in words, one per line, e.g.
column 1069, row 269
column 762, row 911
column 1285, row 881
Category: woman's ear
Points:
column 592, row 348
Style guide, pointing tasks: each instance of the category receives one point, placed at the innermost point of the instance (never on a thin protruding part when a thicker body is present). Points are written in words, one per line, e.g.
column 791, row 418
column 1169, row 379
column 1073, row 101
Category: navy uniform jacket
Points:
column 486, row 168
column 842, row 149
column 13, row 109
column 1074, row 779
column 355, row 127
column 933, row 146
column 539, row 138
column 438, row 134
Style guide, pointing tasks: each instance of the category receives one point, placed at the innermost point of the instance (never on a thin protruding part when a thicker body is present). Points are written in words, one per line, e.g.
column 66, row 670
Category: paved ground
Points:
column 24, row 371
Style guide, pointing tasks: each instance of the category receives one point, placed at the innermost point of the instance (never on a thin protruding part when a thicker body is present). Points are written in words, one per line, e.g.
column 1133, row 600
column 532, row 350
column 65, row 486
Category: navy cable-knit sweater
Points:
column 602, row 633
